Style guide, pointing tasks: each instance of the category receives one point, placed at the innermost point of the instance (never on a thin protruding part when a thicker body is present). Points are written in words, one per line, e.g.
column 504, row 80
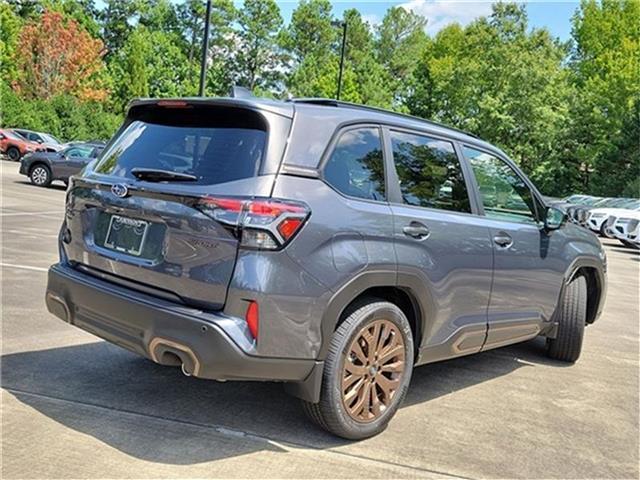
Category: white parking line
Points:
column 24, row 267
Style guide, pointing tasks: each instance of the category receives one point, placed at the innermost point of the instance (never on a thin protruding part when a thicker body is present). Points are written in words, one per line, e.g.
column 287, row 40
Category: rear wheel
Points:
column 13, row 153
column 367, row 372
column 573, row 315
column 40, row 175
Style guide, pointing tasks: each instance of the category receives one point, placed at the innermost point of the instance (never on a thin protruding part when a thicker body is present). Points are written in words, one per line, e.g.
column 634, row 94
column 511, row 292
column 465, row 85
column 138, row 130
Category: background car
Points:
column 44, row 167
column 633, row 235
column 15, row 146
column 49, row 142
column 624, row 225
column 597, row 217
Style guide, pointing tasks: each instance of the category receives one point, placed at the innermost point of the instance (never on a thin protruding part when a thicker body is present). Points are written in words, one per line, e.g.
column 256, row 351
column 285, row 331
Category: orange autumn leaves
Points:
column 55, row 55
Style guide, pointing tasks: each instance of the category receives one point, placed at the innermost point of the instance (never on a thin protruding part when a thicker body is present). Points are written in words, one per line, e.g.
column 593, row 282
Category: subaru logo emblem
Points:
column 120, row 190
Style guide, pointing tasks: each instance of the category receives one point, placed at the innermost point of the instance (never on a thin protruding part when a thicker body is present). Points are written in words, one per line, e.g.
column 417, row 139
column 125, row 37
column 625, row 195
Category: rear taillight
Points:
column 265, row 224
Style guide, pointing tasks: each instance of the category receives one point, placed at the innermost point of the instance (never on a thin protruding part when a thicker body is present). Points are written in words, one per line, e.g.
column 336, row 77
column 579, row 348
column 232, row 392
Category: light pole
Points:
column 205, row 49
column 344, row 41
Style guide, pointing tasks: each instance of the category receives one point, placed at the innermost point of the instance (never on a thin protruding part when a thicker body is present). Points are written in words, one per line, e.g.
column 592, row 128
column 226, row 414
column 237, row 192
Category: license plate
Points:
column 126, row 234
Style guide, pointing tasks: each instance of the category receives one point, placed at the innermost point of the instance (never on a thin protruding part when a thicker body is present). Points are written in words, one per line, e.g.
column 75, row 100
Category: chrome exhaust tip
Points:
column 188, row 361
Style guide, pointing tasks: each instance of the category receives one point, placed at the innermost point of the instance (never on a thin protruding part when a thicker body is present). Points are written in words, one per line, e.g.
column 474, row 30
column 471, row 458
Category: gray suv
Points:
column 325, row 245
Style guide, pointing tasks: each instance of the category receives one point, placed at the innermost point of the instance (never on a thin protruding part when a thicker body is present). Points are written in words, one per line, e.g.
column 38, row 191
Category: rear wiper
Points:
column 153, row 175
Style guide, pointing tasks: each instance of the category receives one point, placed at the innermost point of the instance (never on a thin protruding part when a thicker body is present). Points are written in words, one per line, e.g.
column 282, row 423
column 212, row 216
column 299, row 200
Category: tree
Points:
column 509, row 86
column 151, row 64
column 117, row 18
column 372, row 81
column 401, row 38
column 9, row 35
column 605, row 63
column 258, row 60
column 159, row 15
column 310, row 31
column 58, row 57
column 82, row 11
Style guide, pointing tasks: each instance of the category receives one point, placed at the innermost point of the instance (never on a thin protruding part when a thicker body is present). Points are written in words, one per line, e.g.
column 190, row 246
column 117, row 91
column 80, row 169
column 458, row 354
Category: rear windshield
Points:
column 214, row 149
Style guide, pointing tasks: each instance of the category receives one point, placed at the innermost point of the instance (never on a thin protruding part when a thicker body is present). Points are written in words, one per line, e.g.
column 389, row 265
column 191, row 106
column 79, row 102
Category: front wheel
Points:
column 367, row 372
column 40, row 175
column 573, row 315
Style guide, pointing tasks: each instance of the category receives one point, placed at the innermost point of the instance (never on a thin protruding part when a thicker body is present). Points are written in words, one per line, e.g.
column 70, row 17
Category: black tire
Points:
column 13, row 154
column 40, row 175
column 603, row 232
column 331, row 413
column 573, row 315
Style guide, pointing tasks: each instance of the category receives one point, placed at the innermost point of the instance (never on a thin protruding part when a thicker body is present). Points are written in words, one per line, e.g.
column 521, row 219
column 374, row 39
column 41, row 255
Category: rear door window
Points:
column 356, row 166
column 429, row 172
column 214, row 153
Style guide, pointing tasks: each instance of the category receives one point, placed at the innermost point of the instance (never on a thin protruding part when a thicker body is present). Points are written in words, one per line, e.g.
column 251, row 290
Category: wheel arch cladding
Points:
column 401, row 297
column 594, row 291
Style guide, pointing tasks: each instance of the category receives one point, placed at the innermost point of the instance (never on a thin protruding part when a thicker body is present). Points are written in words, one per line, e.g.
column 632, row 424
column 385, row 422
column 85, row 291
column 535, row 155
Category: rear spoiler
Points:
column 241, row 101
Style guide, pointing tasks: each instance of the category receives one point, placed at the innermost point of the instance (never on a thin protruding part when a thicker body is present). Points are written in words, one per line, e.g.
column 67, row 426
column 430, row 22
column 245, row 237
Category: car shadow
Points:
column 52, row 186
column 109, row 378
column 626, row 250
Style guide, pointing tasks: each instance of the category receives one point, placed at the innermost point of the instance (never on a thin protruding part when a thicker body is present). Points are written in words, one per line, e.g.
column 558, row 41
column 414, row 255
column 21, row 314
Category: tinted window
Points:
column 355, row 167
column 213, row 154
column 505, row 196
column 84, row 152
column 430, row 173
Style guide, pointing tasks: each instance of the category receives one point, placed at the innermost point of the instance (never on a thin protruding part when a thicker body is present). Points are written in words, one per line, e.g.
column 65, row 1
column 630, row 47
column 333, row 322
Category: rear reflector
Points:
column 264, row 224
column 252, row 318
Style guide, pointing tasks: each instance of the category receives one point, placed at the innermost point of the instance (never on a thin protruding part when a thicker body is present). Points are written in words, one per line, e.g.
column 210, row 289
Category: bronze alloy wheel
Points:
column 373, row 370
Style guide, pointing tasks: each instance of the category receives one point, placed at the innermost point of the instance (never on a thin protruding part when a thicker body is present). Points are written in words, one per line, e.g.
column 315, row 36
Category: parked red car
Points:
column 15, row 146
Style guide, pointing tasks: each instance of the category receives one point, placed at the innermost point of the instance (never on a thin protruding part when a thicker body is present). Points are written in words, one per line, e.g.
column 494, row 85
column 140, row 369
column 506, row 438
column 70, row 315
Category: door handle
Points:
column 503, row 240
column 416, row 230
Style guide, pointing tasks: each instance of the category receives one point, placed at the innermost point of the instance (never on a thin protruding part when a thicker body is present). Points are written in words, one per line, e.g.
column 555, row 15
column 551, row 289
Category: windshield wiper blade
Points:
column 155, row 175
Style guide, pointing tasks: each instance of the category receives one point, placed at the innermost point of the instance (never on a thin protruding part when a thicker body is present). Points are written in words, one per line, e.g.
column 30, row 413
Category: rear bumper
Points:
column 208, row 345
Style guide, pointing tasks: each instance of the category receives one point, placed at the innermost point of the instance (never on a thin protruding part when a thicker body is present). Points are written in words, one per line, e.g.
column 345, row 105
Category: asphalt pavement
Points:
column 74, row 406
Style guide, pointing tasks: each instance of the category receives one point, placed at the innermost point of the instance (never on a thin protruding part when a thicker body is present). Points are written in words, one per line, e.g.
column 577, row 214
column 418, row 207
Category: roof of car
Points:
column 315, row 105
column 325, row 113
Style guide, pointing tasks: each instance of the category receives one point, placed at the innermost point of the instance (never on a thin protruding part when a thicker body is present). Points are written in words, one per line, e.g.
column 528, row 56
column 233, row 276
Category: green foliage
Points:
column 310, row 32
column 606, row 68
column 401, row 39
column 10, row 24
column 504, row 83
column 63, row 116
column 258, row 60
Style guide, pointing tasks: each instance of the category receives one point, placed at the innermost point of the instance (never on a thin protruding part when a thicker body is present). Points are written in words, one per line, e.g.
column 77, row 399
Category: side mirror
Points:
column 554, row 218
column 39, row 141
column 2, row 137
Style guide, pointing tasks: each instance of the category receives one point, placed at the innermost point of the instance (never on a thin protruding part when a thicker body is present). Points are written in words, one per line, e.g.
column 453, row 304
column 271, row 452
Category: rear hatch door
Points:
column 147, row 230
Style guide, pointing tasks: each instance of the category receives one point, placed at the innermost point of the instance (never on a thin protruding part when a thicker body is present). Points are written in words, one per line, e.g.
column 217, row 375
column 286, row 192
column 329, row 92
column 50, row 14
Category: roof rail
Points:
column 330, row 102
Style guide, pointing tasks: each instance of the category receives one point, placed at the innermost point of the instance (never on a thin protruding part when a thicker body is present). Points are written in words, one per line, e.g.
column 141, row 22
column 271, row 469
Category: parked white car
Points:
column 598, row 216
column 624, row 225
column 634, row 232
